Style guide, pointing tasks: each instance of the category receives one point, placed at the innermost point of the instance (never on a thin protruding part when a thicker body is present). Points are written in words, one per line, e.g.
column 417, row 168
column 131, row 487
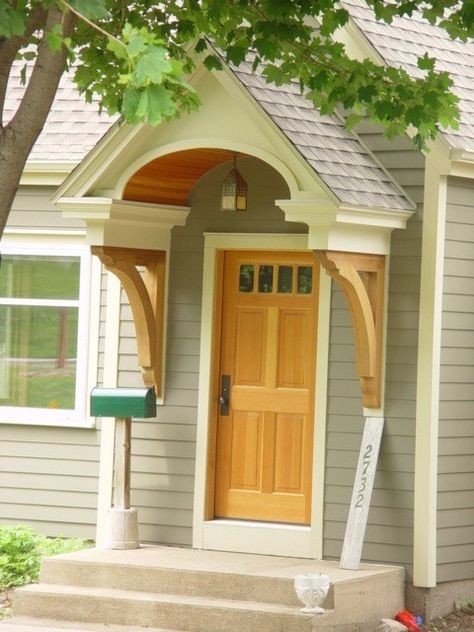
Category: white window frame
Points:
column 79, row 416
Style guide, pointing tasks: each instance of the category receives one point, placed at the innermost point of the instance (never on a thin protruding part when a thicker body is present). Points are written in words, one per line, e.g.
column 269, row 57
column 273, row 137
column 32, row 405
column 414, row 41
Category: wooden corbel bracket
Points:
column 146, row 297
column 361, row 277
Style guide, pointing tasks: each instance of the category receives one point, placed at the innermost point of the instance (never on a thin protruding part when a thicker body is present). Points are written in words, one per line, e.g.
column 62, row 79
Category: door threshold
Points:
column 267, row 538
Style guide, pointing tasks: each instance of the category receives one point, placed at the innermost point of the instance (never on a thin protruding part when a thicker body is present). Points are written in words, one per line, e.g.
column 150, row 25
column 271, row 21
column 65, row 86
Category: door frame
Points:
column 239, row 535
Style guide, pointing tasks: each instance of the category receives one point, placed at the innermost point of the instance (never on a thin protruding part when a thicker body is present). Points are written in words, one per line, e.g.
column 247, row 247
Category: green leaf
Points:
column 148, row 105
column 54, row 38
column 23, row 74
column 201, row 45
column 136, row 45
column 212, row 63
column 426, row 62
column 117, row 49
column 151, row 66
column 91, row 9
column 130, row 102
column 12, row 20
column 352, row 120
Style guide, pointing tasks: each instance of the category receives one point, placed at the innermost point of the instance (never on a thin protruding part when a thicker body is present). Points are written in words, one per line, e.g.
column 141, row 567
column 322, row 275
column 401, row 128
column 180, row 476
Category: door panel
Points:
column 268, row 347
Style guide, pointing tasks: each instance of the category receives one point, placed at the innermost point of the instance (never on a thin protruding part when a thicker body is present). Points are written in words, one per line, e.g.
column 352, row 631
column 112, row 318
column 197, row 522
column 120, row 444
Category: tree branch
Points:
column 29, row 119
column 9, row 48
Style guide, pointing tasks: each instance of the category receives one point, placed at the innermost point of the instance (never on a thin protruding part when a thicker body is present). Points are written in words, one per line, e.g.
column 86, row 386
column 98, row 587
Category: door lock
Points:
column 224, row 397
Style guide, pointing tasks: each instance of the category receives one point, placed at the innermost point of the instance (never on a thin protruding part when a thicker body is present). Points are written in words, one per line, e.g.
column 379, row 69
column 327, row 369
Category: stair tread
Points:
column 174, row 559
column 29, row 624
column 196, row 600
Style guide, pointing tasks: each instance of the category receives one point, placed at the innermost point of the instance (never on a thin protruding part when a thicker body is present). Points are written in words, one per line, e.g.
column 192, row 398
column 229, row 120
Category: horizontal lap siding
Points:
column 389, row 533
column 455, row 554
column 32, row 208
column 48, row 475
column 163, row 459
column 398, row 157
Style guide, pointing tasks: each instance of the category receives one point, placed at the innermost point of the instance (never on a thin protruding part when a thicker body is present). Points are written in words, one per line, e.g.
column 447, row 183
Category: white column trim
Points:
column 429, row 351
column 345, row 228
column 320, row 415
column 107, row 434
column 125, row 223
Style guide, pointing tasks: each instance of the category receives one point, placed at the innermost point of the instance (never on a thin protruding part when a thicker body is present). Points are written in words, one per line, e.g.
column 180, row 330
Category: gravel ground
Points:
column 460, row 621
column 5, row 604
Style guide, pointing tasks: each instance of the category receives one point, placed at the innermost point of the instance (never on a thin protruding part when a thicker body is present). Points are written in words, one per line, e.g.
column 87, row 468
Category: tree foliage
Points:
column 135, row 56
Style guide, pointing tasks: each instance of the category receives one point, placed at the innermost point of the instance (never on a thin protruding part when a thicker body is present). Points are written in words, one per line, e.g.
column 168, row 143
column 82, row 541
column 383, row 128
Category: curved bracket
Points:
column 362, row 279
column 146, row 297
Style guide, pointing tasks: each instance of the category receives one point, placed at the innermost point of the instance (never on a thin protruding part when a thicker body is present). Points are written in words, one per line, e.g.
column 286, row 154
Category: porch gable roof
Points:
column 336, row 154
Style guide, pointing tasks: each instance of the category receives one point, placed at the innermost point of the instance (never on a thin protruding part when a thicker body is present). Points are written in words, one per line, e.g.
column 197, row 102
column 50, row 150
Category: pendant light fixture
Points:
column 234, row 191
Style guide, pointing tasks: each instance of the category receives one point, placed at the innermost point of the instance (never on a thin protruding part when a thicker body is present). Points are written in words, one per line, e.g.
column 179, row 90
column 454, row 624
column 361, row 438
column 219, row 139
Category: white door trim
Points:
column 244, row 536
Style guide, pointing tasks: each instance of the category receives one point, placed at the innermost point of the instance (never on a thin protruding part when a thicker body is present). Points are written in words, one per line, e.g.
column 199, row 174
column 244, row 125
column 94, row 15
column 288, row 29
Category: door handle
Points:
column 224, row 397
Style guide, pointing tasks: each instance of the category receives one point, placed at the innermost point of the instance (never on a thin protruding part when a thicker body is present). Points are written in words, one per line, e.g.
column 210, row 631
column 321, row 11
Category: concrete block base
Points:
column 440, row 600
column 121, row 529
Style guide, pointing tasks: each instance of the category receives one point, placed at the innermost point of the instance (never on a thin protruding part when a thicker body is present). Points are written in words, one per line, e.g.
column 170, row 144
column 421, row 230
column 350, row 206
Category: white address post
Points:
column 362, row 493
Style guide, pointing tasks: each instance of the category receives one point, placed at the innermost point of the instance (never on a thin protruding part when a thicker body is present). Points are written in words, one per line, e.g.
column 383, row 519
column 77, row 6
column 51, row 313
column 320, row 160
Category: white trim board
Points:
column 429, row 357
column 56, row 245
column 257, row 537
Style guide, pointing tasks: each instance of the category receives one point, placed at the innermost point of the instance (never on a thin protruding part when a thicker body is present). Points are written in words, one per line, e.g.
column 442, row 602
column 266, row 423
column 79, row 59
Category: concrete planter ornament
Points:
column 312, row 590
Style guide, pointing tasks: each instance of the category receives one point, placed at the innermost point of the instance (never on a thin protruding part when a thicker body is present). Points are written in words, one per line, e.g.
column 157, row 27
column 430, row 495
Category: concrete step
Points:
column 236, row 576
column 29, row 624
column 151, row 577
column 189, row 590
column 178, row 612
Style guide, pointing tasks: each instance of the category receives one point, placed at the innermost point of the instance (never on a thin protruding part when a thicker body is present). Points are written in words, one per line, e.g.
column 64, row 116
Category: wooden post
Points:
column 123, row 433
column 362, row 493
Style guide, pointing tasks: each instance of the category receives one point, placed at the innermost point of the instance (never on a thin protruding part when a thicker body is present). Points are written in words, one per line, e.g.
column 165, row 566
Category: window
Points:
column 43, row 336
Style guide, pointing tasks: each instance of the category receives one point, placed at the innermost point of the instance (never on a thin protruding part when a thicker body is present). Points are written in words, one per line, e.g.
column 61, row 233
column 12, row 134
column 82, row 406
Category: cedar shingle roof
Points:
column 401, row 42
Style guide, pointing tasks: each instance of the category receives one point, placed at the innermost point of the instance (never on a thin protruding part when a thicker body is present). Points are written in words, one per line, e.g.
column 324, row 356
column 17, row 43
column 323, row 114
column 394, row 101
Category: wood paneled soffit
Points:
column 169, row 179
column 146, row 297
column 361, row 277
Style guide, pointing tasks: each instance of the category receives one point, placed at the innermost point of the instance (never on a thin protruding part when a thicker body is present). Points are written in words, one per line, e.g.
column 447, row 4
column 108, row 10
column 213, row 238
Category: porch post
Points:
column 126, row 226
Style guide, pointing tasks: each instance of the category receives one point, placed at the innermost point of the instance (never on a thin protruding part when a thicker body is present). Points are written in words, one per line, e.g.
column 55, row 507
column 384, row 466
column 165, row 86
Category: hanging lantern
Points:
column 234, row 191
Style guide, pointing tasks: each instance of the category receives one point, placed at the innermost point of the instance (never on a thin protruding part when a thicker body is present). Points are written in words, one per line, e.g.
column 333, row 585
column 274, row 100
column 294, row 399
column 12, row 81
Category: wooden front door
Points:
column 265, row 418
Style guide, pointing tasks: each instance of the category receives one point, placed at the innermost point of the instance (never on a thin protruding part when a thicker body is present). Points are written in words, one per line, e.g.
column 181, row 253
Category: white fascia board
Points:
column 114, row 141
column 46, row 173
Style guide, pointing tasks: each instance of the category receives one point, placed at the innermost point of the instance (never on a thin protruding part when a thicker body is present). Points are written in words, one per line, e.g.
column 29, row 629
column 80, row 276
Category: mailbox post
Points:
column 123, row 404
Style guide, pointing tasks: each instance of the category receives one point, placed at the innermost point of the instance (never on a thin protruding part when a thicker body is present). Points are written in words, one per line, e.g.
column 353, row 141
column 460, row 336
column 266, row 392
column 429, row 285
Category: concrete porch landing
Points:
column 166, row 588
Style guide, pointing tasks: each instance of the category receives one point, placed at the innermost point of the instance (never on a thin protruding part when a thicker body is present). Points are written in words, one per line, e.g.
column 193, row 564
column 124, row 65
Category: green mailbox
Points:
column 123, row 402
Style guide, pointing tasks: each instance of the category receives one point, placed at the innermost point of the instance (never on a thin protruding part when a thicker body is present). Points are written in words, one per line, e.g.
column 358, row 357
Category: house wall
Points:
column 455, row 528
column 48, row 475
column 405, row 165
column 163, row 460
column 389, row 536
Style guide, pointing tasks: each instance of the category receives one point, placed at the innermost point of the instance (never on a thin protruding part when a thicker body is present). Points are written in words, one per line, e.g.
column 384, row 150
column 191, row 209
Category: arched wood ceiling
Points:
column 169, row 179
